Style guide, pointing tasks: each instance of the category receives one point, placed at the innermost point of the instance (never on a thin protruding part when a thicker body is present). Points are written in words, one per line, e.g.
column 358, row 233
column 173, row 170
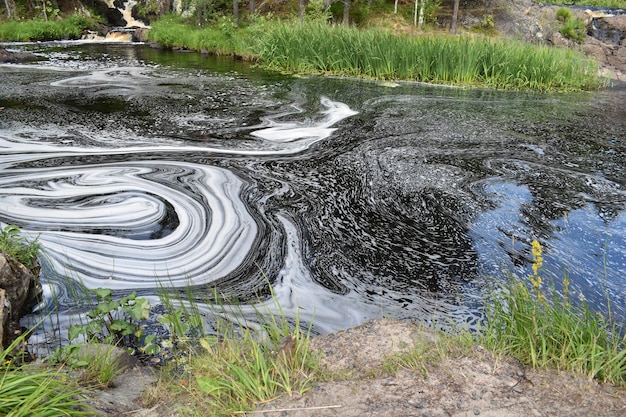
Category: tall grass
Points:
column 380, row 54
column 29, row 391
column 242, row 364
column 545, row 329
column 222, row 39
column 71, row 27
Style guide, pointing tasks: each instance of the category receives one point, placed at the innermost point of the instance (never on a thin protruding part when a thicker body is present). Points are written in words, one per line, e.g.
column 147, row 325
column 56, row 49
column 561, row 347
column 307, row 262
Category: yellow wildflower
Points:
column 535, row 279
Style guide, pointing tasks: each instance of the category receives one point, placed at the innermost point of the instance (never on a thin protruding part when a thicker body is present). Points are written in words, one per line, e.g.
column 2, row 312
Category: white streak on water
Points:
column 281, row 132
column 214, row 235
column 123, row 78
column 20, row 145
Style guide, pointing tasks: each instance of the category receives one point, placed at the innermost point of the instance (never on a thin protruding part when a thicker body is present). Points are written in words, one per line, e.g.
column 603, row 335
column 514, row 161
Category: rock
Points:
column 20, row 291
column 610, row 29
column 16, row 57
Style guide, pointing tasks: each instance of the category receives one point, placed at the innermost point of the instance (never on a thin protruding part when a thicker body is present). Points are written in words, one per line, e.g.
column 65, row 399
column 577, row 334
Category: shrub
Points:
column 574, row 29
column 563, row 15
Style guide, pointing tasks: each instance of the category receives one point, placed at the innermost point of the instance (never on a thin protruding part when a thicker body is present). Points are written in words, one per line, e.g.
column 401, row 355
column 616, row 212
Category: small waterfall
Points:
column 127, row 12
column 125, row 24
column 598, row 27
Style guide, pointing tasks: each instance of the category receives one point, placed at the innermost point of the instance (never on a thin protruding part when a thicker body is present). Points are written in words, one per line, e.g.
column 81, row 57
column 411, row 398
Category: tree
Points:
column 301, row 9
column 9, row 5
column 346, row 12
column 236, row 12
column 455, row 16
column 252, row 6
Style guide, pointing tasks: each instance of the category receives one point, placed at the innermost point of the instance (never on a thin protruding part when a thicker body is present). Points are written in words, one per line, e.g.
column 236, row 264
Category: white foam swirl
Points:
column 70, row 207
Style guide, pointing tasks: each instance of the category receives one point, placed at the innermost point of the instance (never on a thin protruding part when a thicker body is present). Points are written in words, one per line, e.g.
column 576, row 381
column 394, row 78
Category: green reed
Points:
column 377, row 53
column 314, row 47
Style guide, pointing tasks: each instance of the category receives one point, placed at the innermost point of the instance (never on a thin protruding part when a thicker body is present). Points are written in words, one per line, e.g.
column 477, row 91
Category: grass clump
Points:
column 222, row 39
column 240, row 366
column 71, row 27
column 571, row 27
column 93, row 365
column 548, row 330
column 17, row 247
column 30, row 391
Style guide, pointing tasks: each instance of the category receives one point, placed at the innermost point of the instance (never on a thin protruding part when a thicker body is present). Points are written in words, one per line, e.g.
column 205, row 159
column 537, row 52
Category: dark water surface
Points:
column 354, row 199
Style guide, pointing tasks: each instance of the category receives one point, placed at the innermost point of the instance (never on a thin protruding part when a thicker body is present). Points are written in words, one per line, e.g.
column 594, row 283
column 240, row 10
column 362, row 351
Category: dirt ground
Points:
column 462, row 382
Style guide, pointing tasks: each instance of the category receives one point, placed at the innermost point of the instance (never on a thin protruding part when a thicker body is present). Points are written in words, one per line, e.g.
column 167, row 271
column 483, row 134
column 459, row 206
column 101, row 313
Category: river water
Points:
column 138, row 168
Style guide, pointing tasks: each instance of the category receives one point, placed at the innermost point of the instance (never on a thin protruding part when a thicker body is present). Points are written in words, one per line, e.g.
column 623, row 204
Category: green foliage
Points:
column 563, row 14
column 379, row 54
column 571, row 28
column 548, row 330
column 113, row 321
column 18, row 247
column 238, row 370
column 574, row 29
column 30, row 391
column 94, row 365
column 597, row 3
column 42, row 30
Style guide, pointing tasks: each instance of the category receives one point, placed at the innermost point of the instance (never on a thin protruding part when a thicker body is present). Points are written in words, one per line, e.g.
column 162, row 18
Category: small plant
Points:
column 574, row 29
column 96, row 365
column 241, row 363
column 18, row 247
column 240, row 370
column 112, row 321
column 563, row 14
column 545, row 329
column 571, row 27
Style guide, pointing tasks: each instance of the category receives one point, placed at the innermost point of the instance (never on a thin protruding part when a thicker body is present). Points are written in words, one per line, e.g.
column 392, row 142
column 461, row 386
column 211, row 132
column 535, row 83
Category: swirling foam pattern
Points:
column 127, row 224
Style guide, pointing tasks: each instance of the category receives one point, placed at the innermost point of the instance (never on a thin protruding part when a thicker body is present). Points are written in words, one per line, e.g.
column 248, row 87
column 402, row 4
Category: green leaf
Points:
column 102, row 294
column 129, row 299
column 75, row 331
column 151, row 349
column 208, row 385
column 141, row 309
column 122, row 327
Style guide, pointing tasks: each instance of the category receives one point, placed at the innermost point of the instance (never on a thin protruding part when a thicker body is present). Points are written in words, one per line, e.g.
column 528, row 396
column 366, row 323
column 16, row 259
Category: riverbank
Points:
column 523, row 47
column 392, row 368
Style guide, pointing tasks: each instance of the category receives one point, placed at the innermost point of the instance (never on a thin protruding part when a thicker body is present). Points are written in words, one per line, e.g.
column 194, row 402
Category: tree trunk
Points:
column 415, row 13
column 420, row 19
column 236, row 12
column 9, row 5
column 301, row 6
column 346, row 12
column 252, row 6
column 455, row 16
column 395, row 7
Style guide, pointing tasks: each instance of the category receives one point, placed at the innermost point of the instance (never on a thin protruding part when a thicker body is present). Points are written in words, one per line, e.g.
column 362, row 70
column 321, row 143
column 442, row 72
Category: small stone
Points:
column 476, row 412
column 417, row 404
